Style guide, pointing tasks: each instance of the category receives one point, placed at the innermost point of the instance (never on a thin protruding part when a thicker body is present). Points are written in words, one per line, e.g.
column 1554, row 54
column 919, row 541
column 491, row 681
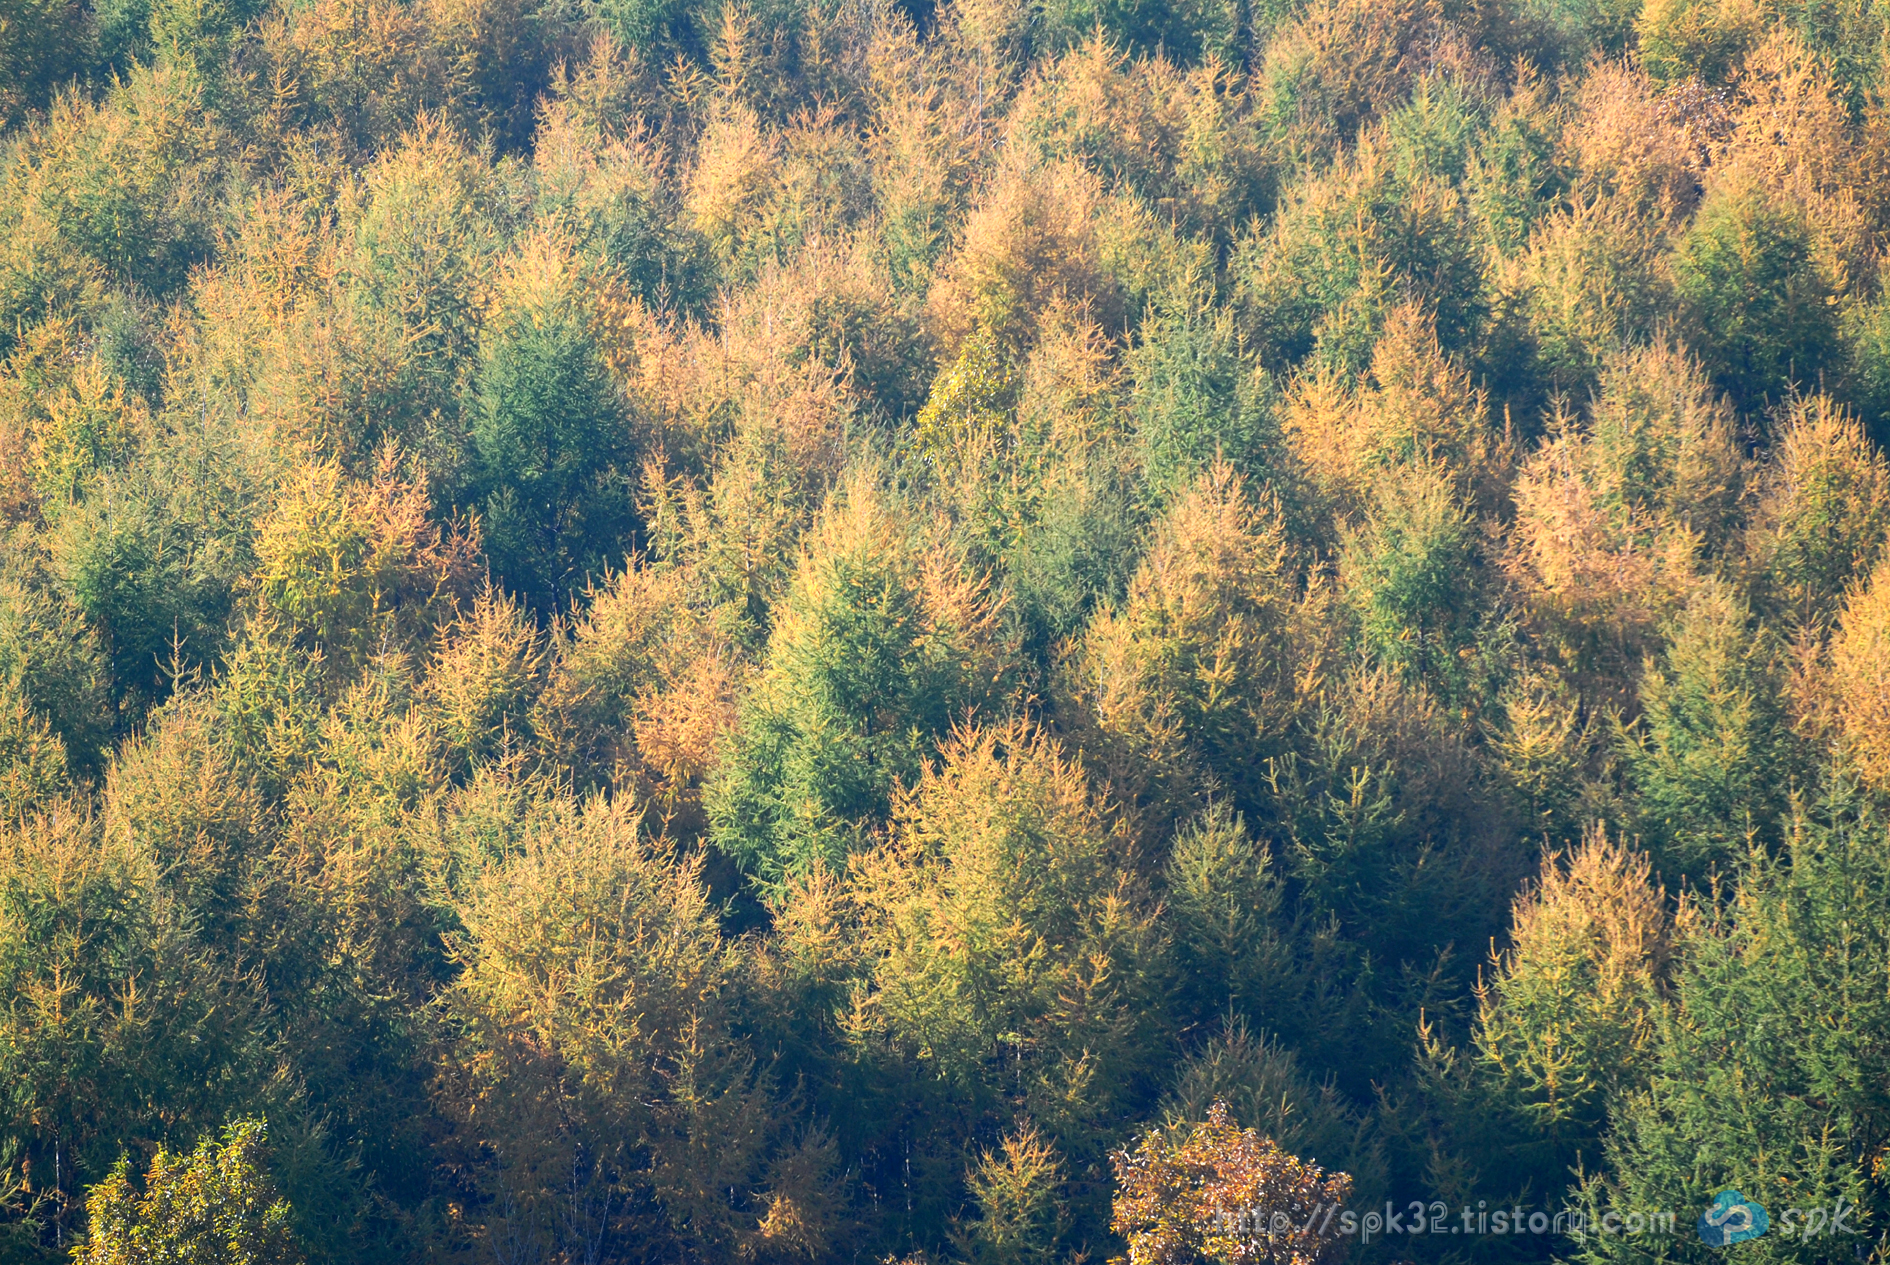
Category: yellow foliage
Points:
column 177, row 797
column 42, row 278
column 1860, row 677
column 733, row 178
column 928, row 131
column 1017, row 1189
column 91, row 424
column 596, row 944
column 1823, row 512
column 1212, row 1190
column 1030, row 241
column 589, row 1016
column 1011, row 943
column 1184, row 137
column 1611, row 521
column 1569, row 1015
column 643, row 693
column 39, row 369
column 1624, row 145
column 358, row 566
column 1597, row 585
column 992, row 31
column 1066, row 393
column 1417, row 406
column 776, row 374
column 1549, row 748
column 1195, row 678
column 1793, row 137
column 812, row 335
column 484, row 679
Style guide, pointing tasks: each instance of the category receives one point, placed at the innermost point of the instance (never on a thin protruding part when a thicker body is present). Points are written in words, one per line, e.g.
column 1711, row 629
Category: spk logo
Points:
column 1732, row 1218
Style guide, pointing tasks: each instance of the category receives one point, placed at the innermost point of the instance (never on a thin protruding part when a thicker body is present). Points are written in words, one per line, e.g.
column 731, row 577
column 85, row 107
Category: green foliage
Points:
column 1345, row 247
column 1552, row 755
column 1698, row 39
column 119, row 1024
column 33, row 765
column 1404, row 576
column 1332, row 67
column 652, row 24
column 131, row 185
column 550, row 439
column 1757, row 1002
column 762, row 633
column 1569, row 1019
column 1193, row 680
column 51, row 663
column 1224, row 901
column 1014, row 957
column 1371, row 811
column 357, row 567
column 1596, row 282
column 1714, row 762
column 1182, row 31
column 878, row 648
column 1765, row 311
column 1078, row 556
column 153, row 590
column 1261, row 1081
column 589, row 1031
column 1826, row 511
column 1195, row 401
column 1020, row 1213
column 1663, row 446
column 38, row 52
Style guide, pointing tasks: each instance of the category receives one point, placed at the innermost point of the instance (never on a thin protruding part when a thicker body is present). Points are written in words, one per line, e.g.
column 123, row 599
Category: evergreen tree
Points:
column 1762, row 1068
column 879, row 648
column 1765, row 311
column 551, row 439
column 1714, row 762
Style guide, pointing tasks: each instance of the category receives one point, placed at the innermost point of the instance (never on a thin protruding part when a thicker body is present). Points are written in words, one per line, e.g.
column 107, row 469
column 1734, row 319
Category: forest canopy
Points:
column 987, row 631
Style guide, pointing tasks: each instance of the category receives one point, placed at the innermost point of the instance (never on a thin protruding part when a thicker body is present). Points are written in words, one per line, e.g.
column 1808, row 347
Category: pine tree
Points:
column 1713, row 761
column 879, row 647
column 551, row 437
column 1762, row 1071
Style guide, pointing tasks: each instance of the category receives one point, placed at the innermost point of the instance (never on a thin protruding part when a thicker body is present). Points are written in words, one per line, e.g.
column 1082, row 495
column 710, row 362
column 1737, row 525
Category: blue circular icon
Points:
column 1732, row 1218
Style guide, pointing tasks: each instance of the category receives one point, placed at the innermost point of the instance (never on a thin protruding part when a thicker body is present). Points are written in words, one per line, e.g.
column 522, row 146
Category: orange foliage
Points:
column 1216, row 1190
column 1030, row 241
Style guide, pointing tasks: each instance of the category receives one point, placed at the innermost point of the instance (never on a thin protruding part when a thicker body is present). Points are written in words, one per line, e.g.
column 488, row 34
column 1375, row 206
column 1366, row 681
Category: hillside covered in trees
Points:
column 831, row 631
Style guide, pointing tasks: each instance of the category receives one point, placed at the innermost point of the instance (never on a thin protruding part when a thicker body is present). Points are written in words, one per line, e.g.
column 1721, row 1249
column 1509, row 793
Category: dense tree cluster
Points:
column 817, row 630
